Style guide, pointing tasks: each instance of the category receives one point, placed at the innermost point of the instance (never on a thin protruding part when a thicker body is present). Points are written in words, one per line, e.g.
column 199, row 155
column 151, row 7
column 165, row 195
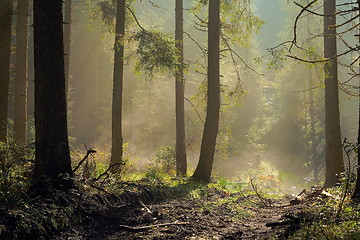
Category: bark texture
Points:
column 67, row 42
column 51, row 136
column 334, row 157
column 181, row 162
column 117, row 139
column 204, row 167
column 5, row 43
column 356, row 193
column 21, row 78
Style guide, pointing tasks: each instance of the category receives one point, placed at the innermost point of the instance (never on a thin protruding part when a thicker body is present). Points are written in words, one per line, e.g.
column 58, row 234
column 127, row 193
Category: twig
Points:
column 257, row 194
column 296, row 22
column 90, row 151
column 195, row 110
column 347, row 152
column 107, row 170
column 98, row 188
column 145, row 228
column 135, row 18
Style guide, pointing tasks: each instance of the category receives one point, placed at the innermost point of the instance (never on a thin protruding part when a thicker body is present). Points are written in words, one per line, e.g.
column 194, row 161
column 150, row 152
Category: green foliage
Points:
column 328, row 222
column 155, row 175
column 166, row 159
column 16, row 165
column 238, row 22
column 157, row 52
column 104, row 12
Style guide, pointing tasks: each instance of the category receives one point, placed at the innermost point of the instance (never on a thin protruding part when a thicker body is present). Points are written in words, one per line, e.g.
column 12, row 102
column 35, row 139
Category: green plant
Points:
column 155, row 175
column 166, row 159
column 16, row 165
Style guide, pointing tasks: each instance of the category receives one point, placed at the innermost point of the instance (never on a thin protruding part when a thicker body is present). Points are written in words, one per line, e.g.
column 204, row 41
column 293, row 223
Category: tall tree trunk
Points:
column 21, row 78
column 67, row 42
column 117, row 139
column 181, row 163
column 51, row 136
column 356, row 194
column 314, row 161
column 334, row 157
column 204, row 167
column 312, row 133
column 5, row 43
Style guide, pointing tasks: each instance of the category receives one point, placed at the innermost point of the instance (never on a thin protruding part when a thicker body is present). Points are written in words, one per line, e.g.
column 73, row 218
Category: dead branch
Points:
column 195, row 110
column 107, row 170
column 135, row 18
column 148, row 227
column 257, row 194
column 296, row 22
column 89, row 152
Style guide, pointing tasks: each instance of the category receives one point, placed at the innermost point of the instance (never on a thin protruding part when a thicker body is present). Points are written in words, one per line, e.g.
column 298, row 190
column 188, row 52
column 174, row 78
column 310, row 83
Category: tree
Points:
column 356, row 194
column 21, row 78
column 51, row 137
column 334, row 158
column 67, row 42
column 181, row 163
column 5, row 41
column 117, row 139
column 204, row 167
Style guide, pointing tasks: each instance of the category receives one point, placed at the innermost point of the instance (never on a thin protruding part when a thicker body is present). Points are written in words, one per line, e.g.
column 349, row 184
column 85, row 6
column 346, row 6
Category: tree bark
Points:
column 204, row 167
column 51, row 136
column 312, row 133
column 314, row 160
column 181, row 162
column 21, row 78
column 67, row 42
column 5, row 44
column 117, row 139
column 334, row 157
column 356, row 194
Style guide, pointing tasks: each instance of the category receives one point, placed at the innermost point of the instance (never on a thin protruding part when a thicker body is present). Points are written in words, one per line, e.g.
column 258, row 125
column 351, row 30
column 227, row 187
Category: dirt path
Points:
column 216, row 217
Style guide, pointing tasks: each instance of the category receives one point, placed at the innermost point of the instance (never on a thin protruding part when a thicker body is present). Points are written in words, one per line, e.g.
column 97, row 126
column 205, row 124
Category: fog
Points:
column 265, row 114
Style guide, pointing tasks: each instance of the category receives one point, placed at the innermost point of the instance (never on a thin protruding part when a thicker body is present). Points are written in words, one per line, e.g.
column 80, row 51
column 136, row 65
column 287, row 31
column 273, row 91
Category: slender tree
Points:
column 181, row 163
column 5, row 43
column 51, row 136
column 356, row 194
column 312, row 132
column 117, row 139
column 67, row 42
column 204, row 167
column 21, row 78
column 334, row 158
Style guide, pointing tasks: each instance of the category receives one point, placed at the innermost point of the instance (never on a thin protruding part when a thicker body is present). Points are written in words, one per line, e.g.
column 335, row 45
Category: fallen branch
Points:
column 90, row 151
column 145, row 228
column 258, row 194
column 107, row 171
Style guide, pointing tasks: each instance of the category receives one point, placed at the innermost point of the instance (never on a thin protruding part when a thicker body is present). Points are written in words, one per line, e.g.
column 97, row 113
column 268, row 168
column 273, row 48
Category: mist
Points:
column 265, row 113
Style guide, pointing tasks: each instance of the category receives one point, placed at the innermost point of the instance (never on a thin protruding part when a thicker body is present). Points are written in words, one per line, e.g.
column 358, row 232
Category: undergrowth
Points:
column 336, row 217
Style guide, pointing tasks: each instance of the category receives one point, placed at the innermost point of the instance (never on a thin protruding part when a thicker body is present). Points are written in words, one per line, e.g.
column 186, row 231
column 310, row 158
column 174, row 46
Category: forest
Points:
column 179, row 119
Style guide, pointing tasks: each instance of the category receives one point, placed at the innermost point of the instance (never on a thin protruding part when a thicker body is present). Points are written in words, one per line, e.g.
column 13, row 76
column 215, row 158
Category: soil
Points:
column 76, row 214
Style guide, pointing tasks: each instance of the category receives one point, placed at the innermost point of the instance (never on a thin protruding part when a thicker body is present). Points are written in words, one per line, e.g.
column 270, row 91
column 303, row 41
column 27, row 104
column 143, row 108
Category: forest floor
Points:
column 163, row 213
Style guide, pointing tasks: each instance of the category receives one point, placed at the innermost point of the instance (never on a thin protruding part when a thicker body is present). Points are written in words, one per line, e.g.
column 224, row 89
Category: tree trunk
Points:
column 204, row 167
column 117, row 140
column 334, row 157
column 51, row 136
column 181, row 163
column 5, row 43
column 21, row 78
column 356, row 194
column 67, row 42
column 312, row 133
column 314, row 160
